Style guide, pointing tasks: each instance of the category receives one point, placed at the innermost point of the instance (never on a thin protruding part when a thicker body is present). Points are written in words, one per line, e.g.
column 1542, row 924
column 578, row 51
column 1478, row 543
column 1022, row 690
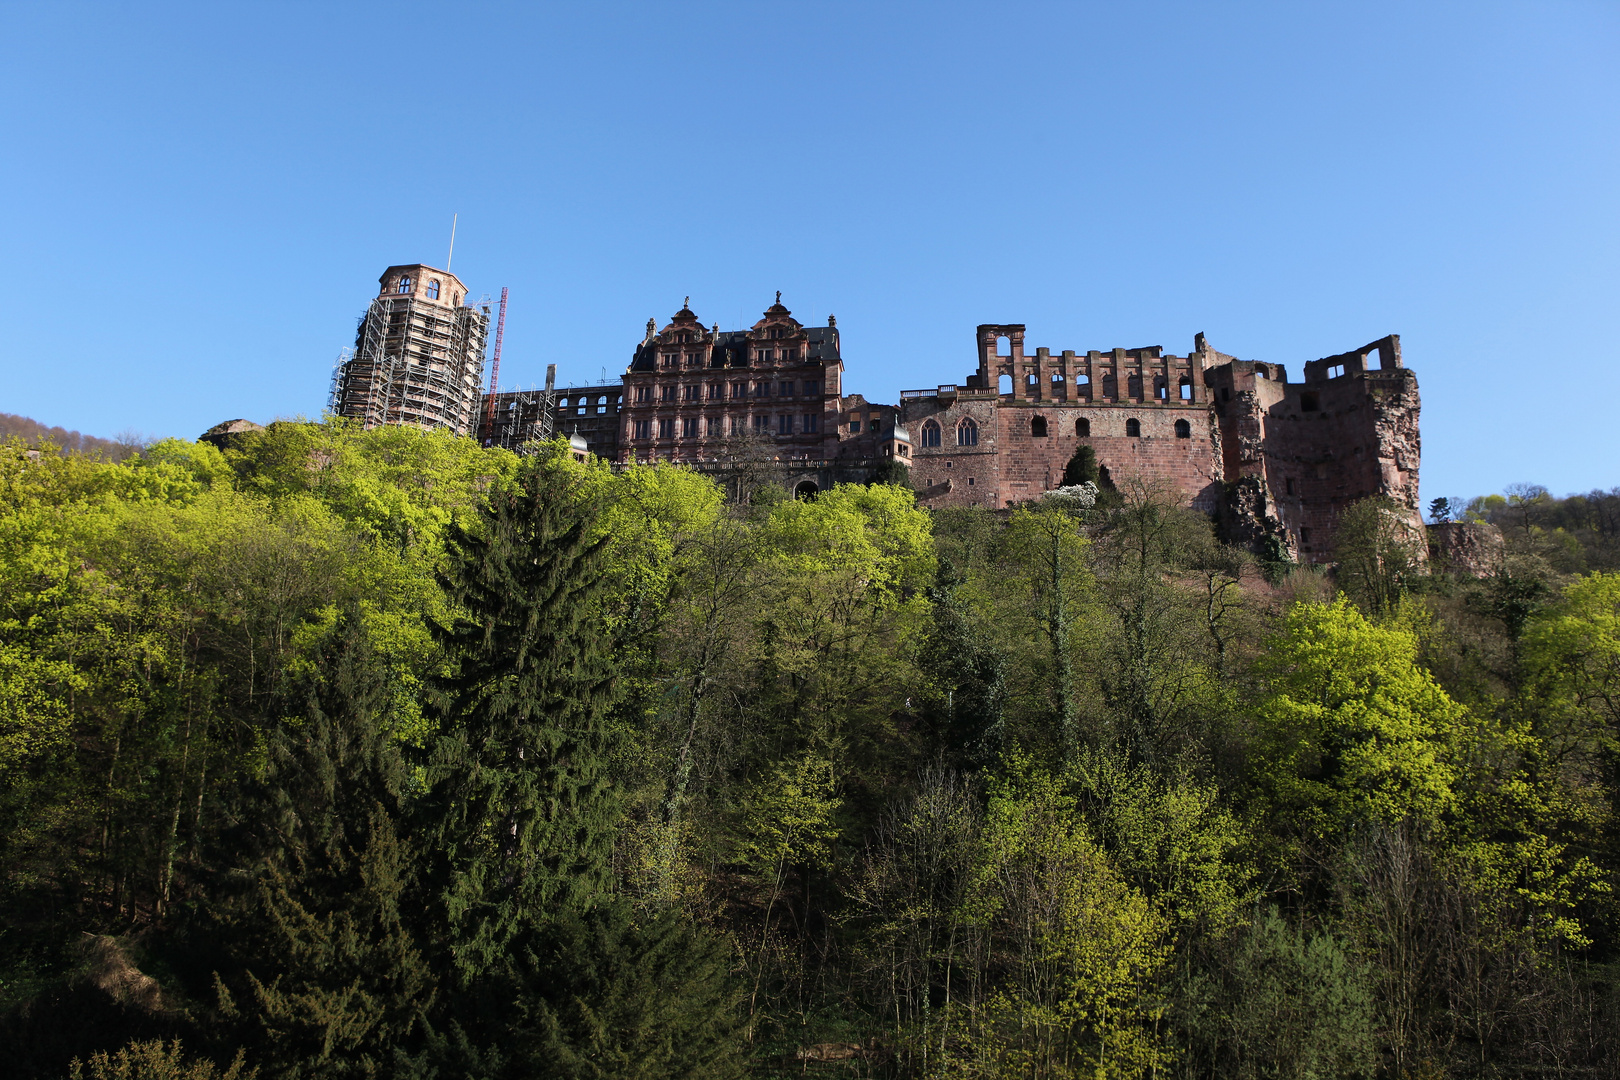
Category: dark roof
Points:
column 821, row 344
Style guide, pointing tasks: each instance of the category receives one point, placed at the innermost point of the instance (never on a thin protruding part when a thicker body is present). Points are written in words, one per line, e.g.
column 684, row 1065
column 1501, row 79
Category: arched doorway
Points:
column 806, row 490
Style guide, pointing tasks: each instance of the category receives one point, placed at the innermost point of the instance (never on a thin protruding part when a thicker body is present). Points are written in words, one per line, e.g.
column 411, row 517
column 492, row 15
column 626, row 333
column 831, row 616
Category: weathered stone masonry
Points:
column 1277, row 461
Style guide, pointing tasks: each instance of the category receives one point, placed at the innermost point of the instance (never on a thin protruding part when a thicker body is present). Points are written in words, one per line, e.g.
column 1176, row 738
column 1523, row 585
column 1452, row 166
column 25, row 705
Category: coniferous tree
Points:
column 604, row 994
column 1082, row 466
column 520, row 812
column 315, row 973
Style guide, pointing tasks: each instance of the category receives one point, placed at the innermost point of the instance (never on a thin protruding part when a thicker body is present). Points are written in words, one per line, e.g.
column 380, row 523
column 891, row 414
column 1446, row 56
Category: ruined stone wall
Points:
column 1012, row 463
column 1276, row 461
column 1333, row 441
column 1473, row 548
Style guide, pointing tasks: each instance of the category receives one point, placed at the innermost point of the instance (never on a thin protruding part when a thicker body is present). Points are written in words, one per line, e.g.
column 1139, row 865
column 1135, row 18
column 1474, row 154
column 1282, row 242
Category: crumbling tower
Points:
column 418, row 354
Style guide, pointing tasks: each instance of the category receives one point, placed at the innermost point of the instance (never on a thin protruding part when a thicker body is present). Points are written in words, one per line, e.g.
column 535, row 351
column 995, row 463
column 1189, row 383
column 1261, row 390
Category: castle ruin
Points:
column 1274, row 461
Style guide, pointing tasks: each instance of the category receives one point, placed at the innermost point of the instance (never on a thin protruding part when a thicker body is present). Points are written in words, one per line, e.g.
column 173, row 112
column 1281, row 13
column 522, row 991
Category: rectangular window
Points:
column 784, row 425
column 643, row 429
column 738, row 426
column 812, row 387
column 762, row 389
column 790, row 354
column 643, row 393
column 691, row 359
column 762, row 423
column 669, row 359
column 714, row 391
column 785, row 388
column 692, row 392
column 689, row 427
column 716, row 425
column 855, row 427
column 666, row 428
column 669, row 393
column 812, row 423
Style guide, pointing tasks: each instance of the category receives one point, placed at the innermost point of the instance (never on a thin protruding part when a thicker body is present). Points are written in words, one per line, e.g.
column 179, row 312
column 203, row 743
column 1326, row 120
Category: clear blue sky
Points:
column 199, row 198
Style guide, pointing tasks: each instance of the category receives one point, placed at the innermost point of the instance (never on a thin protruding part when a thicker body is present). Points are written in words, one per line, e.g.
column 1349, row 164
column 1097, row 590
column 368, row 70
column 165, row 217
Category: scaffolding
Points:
column 416, row 363
column 521, row 417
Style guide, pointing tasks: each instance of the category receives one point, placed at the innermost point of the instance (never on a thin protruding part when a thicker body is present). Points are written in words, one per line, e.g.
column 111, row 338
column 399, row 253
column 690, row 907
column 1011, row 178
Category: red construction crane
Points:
column 495, row 371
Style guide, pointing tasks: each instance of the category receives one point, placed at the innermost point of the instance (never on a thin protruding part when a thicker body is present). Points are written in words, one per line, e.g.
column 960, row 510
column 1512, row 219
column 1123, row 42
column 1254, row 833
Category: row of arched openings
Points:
column 967, row 432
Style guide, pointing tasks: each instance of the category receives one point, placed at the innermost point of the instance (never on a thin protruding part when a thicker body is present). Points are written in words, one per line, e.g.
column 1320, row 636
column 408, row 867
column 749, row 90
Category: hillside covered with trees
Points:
column 378, row 754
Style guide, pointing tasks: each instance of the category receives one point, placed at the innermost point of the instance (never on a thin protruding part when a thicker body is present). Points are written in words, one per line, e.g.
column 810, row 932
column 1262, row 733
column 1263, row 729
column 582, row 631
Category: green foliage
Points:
column 893, row 471
column 1379, row 552
column 1083, row 948
column 1082, row 466
column 156, row 1060
column 319, row 975
column 1169, row 835
column 376, row 752
column 1353, row 731
column 602, row 995
column 1276, row 1002
column 519, row 814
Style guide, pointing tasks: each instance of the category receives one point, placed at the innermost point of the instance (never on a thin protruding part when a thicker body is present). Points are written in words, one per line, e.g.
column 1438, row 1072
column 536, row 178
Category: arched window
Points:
column 433, row 289
column 1037, row 427
column 1082, row 428
column 1004, row 384
column 405, row 283
column 967, row 433
column 930, row 433
column 1183, row 429
column 1029, row 380
column 1133, row 429
column 455, row 298
column 1133, row 387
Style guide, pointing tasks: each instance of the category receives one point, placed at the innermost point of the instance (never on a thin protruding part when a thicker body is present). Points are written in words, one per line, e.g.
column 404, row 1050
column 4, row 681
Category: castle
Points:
column 1274, row 461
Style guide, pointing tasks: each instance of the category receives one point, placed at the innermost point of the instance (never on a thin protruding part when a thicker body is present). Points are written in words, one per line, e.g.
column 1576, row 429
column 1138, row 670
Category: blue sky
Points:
column 199, row 198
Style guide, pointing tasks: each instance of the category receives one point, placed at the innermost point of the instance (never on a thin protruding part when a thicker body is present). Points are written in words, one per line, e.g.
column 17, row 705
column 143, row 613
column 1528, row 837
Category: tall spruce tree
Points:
column 519, row 814
column 314, row 971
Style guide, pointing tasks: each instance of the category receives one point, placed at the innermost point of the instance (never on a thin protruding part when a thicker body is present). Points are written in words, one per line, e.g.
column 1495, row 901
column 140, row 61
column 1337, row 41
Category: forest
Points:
column 344, row 753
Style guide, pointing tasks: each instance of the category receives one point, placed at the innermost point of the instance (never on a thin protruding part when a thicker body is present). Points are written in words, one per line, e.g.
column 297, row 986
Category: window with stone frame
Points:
column 967, row 432
column 666, row 428
column 812, row 423
column 689, row 427
column 930, row 433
